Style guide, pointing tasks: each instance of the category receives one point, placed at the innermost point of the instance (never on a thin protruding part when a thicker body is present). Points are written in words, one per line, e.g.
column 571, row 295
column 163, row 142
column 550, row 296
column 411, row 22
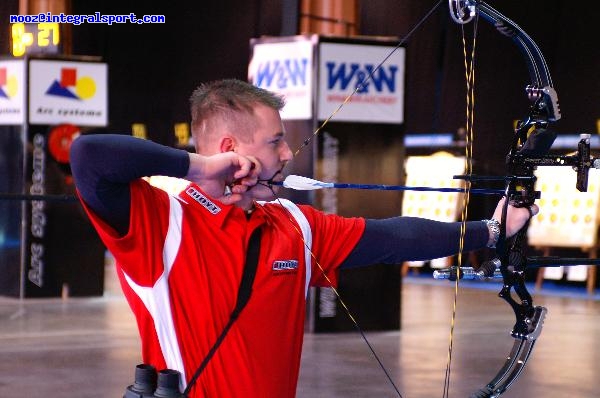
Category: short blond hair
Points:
column 230, row 103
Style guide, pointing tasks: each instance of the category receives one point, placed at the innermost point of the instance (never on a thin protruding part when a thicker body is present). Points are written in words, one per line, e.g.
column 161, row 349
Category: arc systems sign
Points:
column 68, row 92
column 12, row 92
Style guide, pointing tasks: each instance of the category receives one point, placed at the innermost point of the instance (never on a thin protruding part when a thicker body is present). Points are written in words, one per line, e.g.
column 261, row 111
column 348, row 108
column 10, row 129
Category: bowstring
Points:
column 470, row 117
column 335, row 291
column 305, row 143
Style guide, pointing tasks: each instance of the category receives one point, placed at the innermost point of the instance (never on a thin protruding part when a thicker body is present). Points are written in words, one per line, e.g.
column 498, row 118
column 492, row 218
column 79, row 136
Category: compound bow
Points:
column 530, row 146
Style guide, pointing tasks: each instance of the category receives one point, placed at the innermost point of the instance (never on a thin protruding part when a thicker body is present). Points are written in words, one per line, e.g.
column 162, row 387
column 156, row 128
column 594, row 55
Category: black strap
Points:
column 244, row 293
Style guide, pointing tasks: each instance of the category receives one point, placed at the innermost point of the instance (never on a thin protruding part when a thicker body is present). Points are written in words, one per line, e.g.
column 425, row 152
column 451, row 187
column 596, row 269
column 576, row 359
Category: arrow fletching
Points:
column 304, row 183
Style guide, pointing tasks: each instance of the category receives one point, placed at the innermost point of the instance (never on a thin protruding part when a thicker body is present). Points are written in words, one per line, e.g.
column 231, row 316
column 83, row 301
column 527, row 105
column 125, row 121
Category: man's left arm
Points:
column 398, row 239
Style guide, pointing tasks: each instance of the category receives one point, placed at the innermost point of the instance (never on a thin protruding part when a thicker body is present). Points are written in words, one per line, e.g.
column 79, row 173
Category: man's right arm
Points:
column 103, row 165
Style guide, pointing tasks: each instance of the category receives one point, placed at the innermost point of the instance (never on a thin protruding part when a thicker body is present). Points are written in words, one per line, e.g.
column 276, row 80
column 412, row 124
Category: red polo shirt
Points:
column 180, row 267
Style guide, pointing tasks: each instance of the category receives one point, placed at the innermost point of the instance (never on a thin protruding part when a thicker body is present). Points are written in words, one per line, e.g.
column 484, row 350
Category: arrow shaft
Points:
column 383, row 187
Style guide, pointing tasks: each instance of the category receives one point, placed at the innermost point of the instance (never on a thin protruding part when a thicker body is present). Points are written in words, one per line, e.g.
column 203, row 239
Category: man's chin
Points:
column 260, row 192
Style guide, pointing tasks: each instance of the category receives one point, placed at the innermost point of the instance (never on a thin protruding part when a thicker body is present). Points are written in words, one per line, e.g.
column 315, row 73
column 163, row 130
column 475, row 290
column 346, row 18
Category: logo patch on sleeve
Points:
column 203, row 200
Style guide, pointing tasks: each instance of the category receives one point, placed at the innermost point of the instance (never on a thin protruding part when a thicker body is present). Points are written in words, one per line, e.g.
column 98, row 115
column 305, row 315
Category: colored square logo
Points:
column 68, row 77
column 2, row 76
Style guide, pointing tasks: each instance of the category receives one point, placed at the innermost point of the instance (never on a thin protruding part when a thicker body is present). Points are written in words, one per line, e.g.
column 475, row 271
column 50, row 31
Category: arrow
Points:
column 301, row 183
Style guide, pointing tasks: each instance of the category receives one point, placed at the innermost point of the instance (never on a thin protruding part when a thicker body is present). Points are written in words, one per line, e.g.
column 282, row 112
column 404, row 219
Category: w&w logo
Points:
column 343, row 74
column 282, row 73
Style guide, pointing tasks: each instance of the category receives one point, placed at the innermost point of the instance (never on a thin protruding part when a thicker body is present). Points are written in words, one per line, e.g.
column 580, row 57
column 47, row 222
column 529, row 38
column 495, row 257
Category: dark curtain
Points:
column 154, row 68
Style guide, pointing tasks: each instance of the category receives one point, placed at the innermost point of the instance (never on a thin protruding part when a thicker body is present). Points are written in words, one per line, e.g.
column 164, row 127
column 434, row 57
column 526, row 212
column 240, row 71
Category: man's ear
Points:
column 227, row 144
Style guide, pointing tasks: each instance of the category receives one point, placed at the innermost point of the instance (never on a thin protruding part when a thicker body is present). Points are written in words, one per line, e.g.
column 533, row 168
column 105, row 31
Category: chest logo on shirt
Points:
column 285, row 267
column 203, row 200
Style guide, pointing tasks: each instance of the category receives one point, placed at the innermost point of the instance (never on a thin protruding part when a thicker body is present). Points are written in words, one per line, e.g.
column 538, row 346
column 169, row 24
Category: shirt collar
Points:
column 195, row 196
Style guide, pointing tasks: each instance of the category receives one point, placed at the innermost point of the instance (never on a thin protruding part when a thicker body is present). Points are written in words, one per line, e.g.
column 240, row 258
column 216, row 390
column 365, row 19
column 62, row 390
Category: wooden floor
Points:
column 89, row 348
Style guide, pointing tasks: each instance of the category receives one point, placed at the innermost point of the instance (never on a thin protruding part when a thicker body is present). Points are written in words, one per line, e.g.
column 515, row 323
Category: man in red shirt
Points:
column 181, row 259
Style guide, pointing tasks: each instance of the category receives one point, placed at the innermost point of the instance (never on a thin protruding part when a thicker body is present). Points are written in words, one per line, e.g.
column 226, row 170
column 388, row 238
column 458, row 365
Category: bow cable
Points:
column 470, row 116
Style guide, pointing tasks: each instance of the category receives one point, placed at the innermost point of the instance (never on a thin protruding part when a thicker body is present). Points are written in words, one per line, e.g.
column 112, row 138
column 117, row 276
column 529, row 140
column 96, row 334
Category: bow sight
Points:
column 530, row 148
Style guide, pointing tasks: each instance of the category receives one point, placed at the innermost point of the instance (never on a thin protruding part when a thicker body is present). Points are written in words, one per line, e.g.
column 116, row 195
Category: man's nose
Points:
column 286, row 153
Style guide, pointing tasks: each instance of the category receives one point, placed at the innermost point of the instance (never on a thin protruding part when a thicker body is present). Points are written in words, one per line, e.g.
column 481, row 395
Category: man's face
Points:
column 269, row 147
